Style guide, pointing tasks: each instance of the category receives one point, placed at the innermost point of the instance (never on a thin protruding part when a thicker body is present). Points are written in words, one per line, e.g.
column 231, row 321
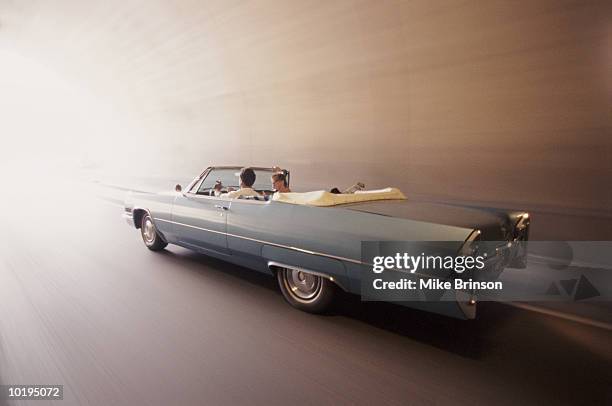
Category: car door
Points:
column 250, row 224
column 200, row 220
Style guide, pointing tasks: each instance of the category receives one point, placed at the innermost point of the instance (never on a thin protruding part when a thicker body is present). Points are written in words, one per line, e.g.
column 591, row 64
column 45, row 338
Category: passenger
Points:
column 279, row 182
column 247, row 179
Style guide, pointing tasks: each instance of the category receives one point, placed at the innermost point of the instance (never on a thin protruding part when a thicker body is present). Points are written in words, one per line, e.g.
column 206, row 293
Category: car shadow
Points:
column 466, row 338
column 206, row 263
column 521, row 347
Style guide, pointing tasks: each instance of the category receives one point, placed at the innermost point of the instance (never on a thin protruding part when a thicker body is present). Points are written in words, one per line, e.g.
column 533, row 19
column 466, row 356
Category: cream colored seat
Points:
column 323, row 198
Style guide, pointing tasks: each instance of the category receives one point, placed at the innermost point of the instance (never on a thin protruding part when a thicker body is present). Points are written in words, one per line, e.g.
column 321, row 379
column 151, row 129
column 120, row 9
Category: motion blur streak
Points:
column 50, row 125
column 495, row 102
column 498, row 103
column 85, row 305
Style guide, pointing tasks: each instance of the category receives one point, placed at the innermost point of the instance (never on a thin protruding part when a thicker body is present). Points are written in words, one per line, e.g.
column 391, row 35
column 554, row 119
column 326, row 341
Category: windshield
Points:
column 230, row 177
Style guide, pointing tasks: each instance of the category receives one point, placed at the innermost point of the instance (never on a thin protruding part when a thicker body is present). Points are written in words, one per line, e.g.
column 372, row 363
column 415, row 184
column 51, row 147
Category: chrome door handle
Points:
column 219, row 206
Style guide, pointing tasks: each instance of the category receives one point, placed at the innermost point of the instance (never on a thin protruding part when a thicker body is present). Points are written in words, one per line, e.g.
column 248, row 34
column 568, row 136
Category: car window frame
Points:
column 206, row 175
column 195, row 186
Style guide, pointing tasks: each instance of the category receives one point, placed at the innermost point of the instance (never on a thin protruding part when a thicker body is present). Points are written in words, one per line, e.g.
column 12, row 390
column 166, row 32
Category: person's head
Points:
column 279, row 182
column 247, row 177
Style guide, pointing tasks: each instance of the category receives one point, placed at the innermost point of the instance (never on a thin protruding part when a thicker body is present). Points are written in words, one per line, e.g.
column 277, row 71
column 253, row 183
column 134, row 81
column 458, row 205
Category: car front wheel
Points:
column 150, row 236
column 306, row 291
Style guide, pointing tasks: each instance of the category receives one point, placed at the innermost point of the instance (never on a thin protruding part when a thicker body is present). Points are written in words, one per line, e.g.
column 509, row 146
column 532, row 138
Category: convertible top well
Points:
column 323, row 198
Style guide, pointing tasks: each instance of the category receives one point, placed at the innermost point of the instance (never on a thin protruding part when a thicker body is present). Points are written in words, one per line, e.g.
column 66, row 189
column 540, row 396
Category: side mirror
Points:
column 178, row 187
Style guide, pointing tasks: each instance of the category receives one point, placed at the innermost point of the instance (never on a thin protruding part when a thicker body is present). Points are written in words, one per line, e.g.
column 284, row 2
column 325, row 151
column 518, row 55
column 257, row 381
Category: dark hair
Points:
column 280, row 176
column 247, row 176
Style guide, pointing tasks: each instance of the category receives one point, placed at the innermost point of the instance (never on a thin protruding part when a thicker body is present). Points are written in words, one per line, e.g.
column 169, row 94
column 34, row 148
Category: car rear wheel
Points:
column 306, row 291
column 150, row 236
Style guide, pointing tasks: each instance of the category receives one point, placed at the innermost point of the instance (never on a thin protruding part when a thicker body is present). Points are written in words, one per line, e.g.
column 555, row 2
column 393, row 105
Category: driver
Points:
column 217, row 189
column 247, row 179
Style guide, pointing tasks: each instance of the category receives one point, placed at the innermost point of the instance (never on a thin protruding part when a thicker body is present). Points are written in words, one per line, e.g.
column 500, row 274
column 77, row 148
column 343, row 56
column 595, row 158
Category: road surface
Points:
column 83, row 304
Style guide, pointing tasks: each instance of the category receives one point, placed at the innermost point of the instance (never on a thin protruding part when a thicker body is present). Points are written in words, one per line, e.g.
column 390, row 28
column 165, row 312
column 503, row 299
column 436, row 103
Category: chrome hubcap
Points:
column 148, row 231
column 302, row 285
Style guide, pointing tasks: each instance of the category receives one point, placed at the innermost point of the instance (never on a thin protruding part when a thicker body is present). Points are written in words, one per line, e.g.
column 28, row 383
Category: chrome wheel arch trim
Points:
column 275, row 264
column 153, row 220
column 136, row 209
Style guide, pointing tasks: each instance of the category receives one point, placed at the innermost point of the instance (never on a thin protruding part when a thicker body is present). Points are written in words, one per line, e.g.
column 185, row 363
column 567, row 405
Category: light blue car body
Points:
column 263, row 235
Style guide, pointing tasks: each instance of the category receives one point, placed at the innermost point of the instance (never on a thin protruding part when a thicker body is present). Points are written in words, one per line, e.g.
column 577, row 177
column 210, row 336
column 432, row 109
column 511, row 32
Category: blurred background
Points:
column 496, row 103
column 493, row 103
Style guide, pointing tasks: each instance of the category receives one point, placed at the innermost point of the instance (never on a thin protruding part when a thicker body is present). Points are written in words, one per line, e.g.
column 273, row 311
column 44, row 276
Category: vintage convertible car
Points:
column 311, row 241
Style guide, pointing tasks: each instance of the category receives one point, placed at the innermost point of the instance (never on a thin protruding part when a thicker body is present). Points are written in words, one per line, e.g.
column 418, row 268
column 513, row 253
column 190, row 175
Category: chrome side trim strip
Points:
column 190, row 226
column 320, row 254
